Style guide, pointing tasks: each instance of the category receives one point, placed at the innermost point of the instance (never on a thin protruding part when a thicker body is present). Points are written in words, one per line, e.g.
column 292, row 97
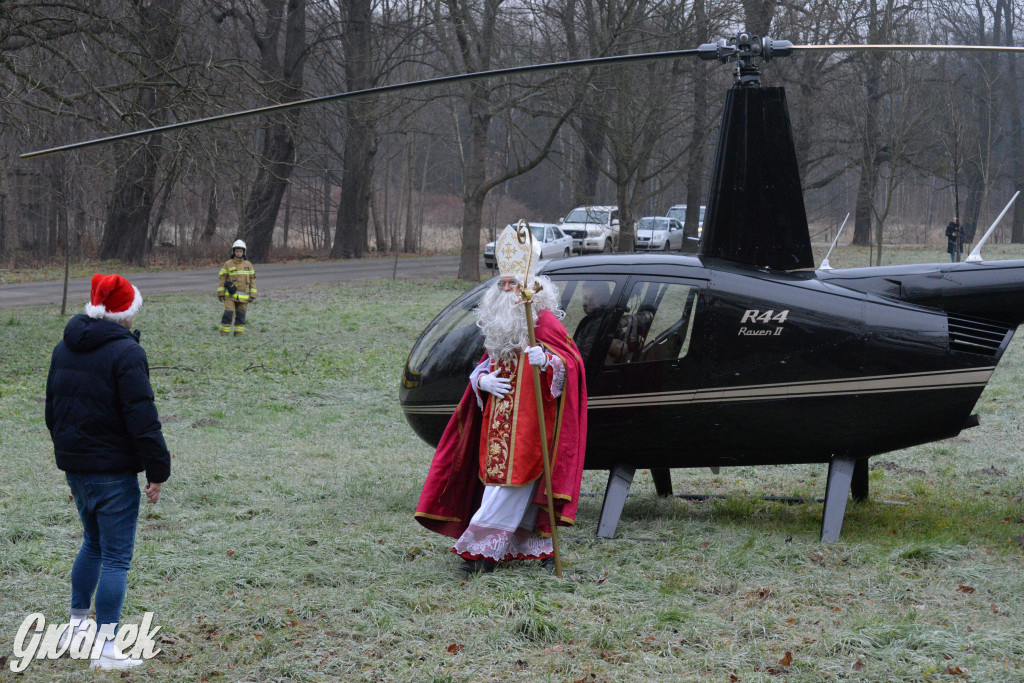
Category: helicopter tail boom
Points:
column 992, row 290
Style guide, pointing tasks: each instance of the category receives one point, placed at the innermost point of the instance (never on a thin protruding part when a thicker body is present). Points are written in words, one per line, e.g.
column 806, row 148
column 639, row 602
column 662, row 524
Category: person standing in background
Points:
column 237, row 289
column 954, row 239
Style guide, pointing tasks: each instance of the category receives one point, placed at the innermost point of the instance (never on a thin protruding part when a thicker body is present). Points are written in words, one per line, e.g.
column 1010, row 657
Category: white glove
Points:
column 536, row 356
column 495, row 384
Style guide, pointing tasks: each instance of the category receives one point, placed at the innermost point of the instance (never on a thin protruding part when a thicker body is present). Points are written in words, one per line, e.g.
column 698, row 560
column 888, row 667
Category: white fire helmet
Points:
column 238, row 244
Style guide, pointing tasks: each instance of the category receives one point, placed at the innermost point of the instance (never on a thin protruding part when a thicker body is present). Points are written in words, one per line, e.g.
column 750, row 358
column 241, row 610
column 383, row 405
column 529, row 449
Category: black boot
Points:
column 481, row 566
column 548, row 565
column 225, row 321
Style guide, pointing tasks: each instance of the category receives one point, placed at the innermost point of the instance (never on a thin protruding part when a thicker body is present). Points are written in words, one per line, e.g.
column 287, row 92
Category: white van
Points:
column 593, row 228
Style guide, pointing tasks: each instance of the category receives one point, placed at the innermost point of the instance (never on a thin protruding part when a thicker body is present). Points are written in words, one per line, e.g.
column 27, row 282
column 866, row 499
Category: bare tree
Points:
column 281, row 60
column 125, row 235
column 1016, row 123
column 639, row 119
column 361, row 140
column 473, row 29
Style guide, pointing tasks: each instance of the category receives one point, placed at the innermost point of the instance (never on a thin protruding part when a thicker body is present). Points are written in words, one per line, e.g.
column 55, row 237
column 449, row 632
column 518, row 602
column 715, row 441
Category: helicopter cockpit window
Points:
column 453, row 340
column 587, row 305
column 657, row 324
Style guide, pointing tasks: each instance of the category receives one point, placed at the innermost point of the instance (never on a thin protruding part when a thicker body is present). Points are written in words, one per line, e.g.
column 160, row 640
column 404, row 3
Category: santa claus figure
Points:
column 486, row 487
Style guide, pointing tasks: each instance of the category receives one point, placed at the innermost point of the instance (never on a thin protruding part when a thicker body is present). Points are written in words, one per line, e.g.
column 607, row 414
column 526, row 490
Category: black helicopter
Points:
column 744, row 354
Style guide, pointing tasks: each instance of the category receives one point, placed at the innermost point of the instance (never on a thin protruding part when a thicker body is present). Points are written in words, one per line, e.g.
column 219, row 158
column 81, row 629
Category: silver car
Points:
column 659, row 233
column 553, row 243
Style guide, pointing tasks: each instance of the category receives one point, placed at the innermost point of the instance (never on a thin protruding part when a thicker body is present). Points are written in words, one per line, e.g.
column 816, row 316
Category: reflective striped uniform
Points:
column 239, row 272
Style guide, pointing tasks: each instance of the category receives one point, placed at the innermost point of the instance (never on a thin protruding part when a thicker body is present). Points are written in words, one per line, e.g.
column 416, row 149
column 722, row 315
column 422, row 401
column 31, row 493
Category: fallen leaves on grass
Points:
column 454, row 648
column 964, row 588
column 612, row 657
column 781, row 667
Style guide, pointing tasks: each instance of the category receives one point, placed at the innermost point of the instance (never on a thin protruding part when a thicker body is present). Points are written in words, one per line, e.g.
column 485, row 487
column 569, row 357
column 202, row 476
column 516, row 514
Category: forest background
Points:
column 902, row 141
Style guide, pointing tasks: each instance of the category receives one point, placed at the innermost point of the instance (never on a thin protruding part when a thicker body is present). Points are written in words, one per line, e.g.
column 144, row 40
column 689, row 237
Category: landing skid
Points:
column 845, row 476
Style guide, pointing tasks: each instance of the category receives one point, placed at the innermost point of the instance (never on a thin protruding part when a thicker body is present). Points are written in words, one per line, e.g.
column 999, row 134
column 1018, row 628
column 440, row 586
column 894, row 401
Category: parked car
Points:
column 659, row 233
column 690, row 236
column 593, row 228
column 553, row 243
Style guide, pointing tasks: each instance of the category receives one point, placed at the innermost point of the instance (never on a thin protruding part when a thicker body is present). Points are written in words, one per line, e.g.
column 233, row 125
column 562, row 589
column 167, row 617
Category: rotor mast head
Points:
column 744, row 49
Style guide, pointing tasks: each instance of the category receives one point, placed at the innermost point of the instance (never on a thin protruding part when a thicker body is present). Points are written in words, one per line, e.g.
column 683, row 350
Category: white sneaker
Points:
column 110, row 659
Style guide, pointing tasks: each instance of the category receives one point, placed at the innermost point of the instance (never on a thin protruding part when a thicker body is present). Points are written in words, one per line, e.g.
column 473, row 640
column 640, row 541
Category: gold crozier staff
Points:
column 524, row 234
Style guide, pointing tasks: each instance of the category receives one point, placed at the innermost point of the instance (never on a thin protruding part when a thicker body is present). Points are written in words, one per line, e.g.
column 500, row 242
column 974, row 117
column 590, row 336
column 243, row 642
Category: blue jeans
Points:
column 108, row 504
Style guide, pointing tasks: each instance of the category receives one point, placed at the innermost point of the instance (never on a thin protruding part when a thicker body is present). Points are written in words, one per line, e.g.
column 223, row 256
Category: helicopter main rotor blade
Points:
column 380, row 90
column 908, row 48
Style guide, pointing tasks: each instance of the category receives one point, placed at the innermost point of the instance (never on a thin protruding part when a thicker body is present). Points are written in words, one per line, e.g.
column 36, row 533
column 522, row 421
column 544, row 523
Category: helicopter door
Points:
column 643, row 393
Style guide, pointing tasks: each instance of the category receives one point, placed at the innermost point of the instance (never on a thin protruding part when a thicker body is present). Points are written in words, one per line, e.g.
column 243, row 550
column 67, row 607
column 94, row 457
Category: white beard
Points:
column 502, row 319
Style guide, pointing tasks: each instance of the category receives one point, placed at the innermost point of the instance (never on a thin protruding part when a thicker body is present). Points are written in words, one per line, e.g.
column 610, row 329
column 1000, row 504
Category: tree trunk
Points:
column 865, row 199
column 57, row 210
column 3, row 214
column 695, row 170
column 869, row 161
column 287, row 217
column 409, row 246
column 474, row 177
column 472, row 219
column 382, row 217
column 360, row 141
column 276, row 163
column 165, row 197
column 1017, row 157
column 325, row 215
column 627, row 232
column 759, row 14
column 975, row 197
column 277, row 156
column 212, row 213
column 592, row 145
column 421, row 207
column 354, row 206
column 126, row 229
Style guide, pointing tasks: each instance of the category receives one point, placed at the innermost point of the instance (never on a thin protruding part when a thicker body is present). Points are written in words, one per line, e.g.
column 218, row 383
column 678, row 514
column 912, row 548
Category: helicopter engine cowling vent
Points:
column 974, row 335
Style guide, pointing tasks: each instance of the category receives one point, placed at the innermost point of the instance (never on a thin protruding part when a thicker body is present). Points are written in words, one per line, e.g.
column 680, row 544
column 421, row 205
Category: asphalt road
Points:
column 268, row 277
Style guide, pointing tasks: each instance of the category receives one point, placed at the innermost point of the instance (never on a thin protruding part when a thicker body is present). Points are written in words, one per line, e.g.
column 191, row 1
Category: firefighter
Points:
column 237, row 289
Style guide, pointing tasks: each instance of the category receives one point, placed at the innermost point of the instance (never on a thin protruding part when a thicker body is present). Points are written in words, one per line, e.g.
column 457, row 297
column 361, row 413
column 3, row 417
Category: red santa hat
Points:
column 114, row 298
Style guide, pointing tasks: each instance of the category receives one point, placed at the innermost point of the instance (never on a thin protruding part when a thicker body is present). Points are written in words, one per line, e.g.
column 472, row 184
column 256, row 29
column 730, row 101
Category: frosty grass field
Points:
column 284, row 545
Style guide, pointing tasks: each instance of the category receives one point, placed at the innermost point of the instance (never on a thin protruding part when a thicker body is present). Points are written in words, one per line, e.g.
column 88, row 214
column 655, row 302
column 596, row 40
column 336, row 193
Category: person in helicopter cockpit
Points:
column 596, row 295
column 626, row 335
